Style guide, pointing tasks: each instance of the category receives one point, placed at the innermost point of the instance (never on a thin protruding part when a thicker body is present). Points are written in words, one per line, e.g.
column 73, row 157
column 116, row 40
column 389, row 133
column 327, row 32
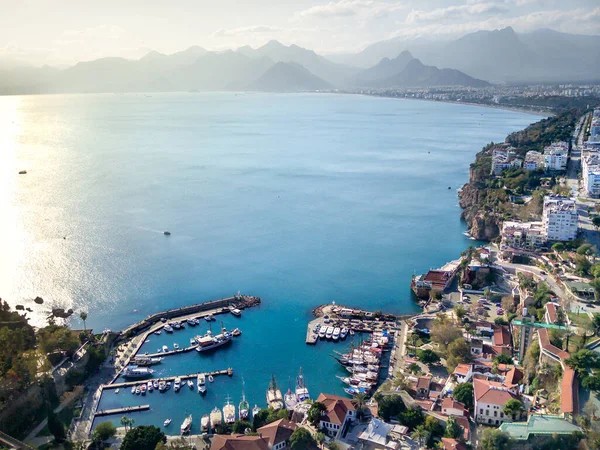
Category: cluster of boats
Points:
column 291, row 398
column 364, row 363
column 334, row 333
column 163, row 385
column 171, row 326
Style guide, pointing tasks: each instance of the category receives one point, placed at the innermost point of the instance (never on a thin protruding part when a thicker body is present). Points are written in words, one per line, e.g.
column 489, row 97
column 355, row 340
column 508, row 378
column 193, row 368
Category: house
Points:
column 522, row 235
column 278, row 433
column 503, row 159
column 502, row 337
column 377, row 436
column 484, row 326
column 539, row 425
column 490, row 398
column 476, row 347
column 453, row 444
column 451, row 407
column 339, row 413
column 463, row 373
column 435, row 390
column 423, row 386
column 514, row 376
column 551, row 314
column 440, row 280
column 238, row 442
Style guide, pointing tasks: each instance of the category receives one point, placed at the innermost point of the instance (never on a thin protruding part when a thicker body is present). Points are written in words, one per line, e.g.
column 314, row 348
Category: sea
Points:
column 300, row 199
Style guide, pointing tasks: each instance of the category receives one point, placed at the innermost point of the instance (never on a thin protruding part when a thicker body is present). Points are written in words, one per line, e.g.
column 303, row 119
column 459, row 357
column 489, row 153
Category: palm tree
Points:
column 360, row 401
column 127, row 422
column 320, row 438
column 420, row 434
column 83, row 316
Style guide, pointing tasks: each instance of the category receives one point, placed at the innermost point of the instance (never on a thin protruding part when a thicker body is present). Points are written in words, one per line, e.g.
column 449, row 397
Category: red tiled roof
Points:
column 502, row 336
column 569, row 393
column 437, row 277
column 483, row 323
column 546, row 345
column 423, row 382
column 448, row 403
column 552, row 310
column 337, row 408
column 491, row 392
column 462, row 369
column 514, row 376
column 464, row 423
column 278, row 431
column 453, row 444
column 238, row 442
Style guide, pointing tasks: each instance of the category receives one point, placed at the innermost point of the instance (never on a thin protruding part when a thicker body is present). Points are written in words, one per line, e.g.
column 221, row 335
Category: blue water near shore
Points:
column 299, row 199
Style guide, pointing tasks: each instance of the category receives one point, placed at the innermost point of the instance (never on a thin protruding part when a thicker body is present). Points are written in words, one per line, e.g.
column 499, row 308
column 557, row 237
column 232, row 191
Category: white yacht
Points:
column 229, row 412
column 190, row 384
column 165, row 348
column 201, row 382
column 301, row 390
column 215, row 417
column 137, row 372
column 336, row 334
column 186, row 425
column 167, row 422
column 343, row 333
column 205, row 422
column 177, row 384
column 329, row 332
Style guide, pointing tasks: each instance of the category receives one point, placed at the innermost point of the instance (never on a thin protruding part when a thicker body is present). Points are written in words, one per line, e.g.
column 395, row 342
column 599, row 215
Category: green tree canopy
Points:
column 104, row 431
column 390, row 406
column 314, row 413
column 143, row 437
column 301, row 439
column 464, row 393
column 428, row 356
column 494, row 439
column 452, row 428
column 239, row 426
column 513, row 407
column 458, row 352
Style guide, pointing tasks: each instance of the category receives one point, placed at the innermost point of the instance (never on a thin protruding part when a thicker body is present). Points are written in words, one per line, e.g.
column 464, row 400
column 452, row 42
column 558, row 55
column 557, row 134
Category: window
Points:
column 481, row 411
column 495, row 413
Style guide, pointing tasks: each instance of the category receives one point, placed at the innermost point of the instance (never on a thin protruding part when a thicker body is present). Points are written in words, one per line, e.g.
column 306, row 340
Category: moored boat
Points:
column 336, row 333
column 190, row 384
column 301, row 389
column 209, row 342
column 167, row 422
column 177, row 384
column 236, row 332
column 235, row 311
column 165, row 348
column 255, row 410
column 168, row 328
column 229, row 412
column 329, row 332
column 186, row 425
column 244, row 408
column 201, row 383
column 205, row 422
column 343, row 333
column 137, row 372
column 322, row 332
column 215, row 417
column 209, row 318
column 274, row 397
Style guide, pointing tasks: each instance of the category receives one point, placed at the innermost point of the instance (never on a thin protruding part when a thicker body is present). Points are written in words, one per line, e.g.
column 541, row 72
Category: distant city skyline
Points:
column 64, row 32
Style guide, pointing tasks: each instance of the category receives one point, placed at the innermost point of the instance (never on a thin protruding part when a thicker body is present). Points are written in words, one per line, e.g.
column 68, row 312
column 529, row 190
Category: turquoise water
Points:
column 299, row 199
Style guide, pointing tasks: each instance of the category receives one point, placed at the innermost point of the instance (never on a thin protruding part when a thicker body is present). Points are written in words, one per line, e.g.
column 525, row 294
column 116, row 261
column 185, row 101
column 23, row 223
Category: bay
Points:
column 300, row 199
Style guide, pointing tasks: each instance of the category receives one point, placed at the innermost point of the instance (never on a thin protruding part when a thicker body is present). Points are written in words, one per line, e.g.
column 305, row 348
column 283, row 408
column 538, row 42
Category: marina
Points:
column 128, row 409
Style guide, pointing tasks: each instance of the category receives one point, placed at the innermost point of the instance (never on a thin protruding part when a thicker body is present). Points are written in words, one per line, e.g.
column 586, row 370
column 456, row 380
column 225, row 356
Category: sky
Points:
column 62, row 32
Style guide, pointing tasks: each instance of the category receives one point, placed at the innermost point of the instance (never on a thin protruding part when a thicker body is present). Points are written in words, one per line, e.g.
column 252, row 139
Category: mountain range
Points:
column 494, row 56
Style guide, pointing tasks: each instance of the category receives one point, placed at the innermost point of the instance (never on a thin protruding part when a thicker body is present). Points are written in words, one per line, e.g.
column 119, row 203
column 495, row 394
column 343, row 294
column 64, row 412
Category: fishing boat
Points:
column 229, row 412
column 336, row 334
column 168, row 328
column 209, row 342
column 133, row 389
column 215, row 417
column 236, row 332
column 201, row 383
column 137, row 372
column 186, row 425
column 329, row 332
column 343, row 333
column 274, row 397
column 236, row 312
column 146, row 361
column 205, row 422
column 150, row 386
column 165, row 348
column 244, row 407
column 301, row 390
column 191, row 322
column 158, row 332
column 117, row 391
column 255, row 410
column 167, row 422
column 209, row 318
column 167, row 233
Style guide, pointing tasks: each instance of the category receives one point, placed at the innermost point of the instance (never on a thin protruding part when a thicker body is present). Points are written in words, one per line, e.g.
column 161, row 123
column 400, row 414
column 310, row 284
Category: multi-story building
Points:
column 339, row 413
column 559, row 219
column 503, row 159
column 533, row 161
column 594, row 138
column 556, row 155
column 525, row 235
column 490, row 398
column 590, row 173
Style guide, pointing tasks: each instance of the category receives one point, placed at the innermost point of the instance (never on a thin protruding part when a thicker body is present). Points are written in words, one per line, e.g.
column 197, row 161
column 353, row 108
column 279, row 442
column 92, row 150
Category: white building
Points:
column 533, row 161
column 503, row 159
column 556, row 155
column 490, row 398
column 339, row 413
column 590, row 174
column 526, row 235
column 559, row 219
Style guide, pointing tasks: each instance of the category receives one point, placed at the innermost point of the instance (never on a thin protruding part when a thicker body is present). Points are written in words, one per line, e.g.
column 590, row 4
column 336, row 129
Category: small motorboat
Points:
column 190, row 384
column 168, row 328
column 201, row 382
column 177, row 384
column 165, row 348
column 117, row 391
column 150, row 386
column 255, row 410
column 143, row 389
column 208, row 318
column 167, row 422
column 236, row 332
column 167, row 233
column 22, row 172
column 176, row 346
column 155, row 384
column 137, row 390
column 205, row 422
column 133, row 389
column 158, row 332
column 210, row 378
column 191, row 322
column 351, row 332
column 196, row 321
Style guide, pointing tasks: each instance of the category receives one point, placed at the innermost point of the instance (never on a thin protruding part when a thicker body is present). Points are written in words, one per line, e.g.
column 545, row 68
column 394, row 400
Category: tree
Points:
column 433, row 426
column 320, row 438
column 582, row 264
column 596, row 221
column 333, row 446
column 420, row 435
column 452, row 428
column 83, row 316
column 55, row 426
column 314, row 413
column 460, row 311
column 239, row 426
column 503, row 359
column 458, row 352
column 301, row 439
column 360, row 402
column 558, row 247
column 586, row 249
column 464, row 393
column 414, row 369
column 412, row 418
column 513, row 407
column 126, row 422
column 143, row 438
column 444, row 331
column 390, row 406
column 428, row 356
column 494, row 439
column 104, row 431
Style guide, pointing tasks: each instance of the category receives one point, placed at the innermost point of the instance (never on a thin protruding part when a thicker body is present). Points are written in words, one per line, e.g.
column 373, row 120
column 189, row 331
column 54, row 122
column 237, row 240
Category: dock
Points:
column 311, row 338
column 170, row 352
column 127, row 409
column 188, row 376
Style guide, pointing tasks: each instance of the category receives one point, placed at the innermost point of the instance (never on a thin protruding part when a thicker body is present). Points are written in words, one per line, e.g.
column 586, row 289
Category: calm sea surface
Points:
column 299, row 199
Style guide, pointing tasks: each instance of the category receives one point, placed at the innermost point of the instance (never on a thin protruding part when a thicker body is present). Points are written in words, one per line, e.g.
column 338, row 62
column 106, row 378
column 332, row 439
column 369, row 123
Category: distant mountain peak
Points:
column 272, row 45
column 153, row 54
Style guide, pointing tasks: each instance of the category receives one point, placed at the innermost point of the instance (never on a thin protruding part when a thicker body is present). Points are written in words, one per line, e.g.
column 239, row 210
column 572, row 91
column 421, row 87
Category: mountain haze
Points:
column 288, row 77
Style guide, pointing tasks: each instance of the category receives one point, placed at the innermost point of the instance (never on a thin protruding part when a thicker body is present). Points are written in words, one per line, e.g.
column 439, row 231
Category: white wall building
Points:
column 556, row 155
column 527, row 235
column 503, row 159
column 533, row 161
column 490, row 398
column 559, row 219
column 590, row 174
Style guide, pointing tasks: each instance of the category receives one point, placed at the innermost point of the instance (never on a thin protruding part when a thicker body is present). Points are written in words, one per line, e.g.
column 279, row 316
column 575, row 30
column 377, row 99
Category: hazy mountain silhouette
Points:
column 288, row 77
column 384, row 69
column 417, row 74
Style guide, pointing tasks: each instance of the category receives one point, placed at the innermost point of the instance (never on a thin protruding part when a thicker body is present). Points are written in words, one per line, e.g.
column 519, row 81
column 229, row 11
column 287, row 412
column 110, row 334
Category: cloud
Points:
column 456, row 13
column 246, row 30
column 350, row 8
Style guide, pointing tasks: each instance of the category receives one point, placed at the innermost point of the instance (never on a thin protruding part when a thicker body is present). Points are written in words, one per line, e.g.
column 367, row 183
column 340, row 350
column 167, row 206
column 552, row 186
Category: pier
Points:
column 188, row 376
column 127, row 409
column 170, row 352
